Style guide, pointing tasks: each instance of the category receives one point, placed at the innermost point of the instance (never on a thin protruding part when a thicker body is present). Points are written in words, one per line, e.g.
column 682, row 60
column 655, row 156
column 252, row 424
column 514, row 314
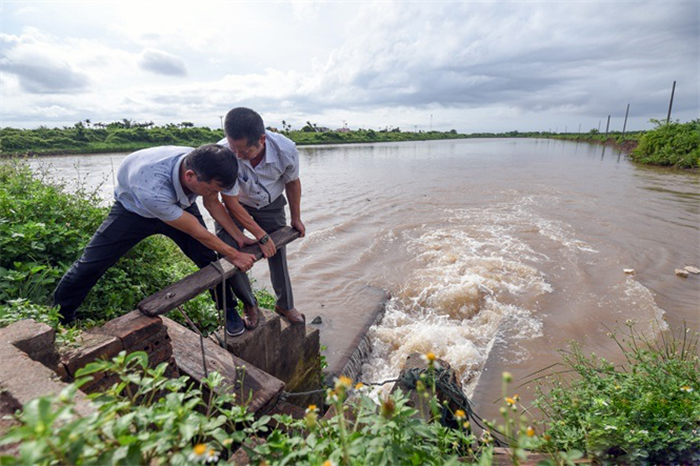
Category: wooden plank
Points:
column 206, row 278
column 254, row 388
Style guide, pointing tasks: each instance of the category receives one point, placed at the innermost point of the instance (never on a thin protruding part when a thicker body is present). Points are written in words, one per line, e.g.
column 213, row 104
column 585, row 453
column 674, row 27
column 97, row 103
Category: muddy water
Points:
column 496, row 252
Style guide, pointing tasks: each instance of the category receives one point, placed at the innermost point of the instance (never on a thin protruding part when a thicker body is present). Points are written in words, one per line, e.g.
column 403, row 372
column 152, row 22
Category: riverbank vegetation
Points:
column 127, row 136
column 670, row 144
column 673, row 144
column 645, row 412
column 44, row 229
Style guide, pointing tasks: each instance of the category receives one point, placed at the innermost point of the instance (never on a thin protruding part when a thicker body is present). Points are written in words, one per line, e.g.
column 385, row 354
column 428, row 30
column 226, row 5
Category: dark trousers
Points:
column 120, row 232
column 270, row 218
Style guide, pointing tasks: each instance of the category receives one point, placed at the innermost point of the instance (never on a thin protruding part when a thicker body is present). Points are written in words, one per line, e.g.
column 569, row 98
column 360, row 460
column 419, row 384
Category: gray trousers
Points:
column 270, row 218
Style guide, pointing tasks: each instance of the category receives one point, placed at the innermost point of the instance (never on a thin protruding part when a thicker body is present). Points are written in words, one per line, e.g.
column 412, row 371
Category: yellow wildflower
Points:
column 311, row 409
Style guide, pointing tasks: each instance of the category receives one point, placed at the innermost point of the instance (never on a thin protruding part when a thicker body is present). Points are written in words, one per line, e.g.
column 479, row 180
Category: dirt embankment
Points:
column 625, row 146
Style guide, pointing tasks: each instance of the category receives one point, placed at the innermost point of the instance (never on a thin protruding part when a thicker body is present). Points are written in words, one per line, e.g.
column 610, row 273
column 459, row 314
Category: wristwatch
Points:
column 264, row 239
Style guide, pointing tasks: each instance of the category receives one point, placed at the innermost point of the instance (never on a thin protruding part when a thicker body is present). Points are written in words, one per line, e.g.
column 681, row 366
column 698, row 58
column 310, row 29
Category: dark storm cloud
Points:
column 159, row 62
column 583, row 57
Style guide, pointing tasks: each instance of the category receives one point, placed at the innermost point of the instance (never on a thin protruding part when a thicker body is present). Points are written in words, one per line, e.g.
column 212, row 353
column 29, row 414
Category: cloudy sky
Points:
column 472, row 66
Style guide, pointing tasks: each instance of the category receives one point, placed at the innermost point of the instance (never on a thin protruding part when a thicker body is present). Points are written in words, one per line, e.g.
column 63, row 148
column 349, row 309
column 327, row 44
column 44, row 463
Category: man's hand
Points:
column 242, row 260
column 244, row 240
column 298, row 225
column 268, row 249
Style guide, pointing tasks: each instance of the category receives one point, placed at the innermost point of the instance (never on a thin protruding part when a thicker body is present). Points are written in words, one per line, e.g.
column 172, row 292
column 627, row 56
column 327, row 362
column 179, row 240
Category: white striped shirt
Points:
column 259, row 186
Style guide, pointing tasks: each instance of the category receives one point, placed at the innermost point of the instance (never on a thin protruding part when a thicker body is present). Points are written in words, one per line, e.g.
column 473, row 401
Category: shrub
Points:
column 646, row 411
column 673, row 144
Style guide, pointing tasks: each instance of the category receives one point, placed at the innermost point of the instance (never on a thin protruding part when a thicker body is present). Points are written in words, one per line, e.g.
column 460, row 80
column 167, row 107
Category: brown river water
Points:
column 496, row 252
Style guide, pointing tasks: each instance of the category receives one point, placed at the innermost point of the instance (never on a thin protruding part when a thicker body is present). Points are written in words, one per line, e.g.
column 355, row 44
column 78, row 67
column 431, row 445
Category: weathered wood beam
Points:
column 256, row 389
column 206, row 278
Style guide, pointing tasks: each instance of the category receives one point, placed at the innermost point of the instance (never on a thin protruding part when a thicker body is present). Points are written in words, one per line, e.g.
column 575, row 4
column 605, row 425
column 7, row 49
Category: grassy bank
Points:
column 671, row 144
column 127, row 136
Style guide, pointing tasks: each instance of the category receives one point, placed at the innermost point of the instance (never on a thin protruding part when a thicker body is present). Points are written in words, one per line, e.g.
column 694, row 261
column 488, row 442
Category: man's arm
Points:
column 218, row 213
column 189, row 224
column 236, row 209
column 293, row 190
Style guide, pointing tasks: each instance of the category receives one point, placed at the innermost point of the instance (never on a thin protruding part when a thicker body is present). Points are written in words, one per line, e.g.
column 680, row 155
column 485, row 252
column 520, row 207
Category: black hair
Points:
column 244, row 123
column 213, row 162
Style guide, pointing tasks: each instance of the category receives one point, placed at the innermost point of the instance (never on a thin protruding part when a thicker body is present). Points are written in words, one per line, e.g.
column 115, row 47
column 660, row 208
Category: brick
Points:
column 151, row 344
column 93, row 346
column 131, row 328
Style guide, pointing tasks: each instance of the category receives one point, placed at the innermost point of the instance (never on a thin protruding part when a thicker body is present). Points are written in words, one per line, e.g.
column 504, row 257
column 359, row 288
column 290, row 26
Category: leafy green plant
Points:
column 144, row 419
column 646, row 411
column 363, row 432
column 674, row 144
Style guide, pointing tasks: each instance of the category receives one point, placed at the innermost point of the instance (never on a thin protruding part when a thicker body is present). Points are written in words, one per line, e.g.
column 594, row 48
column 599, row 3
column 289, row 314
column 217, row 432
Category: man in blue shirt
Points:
column 156, row 193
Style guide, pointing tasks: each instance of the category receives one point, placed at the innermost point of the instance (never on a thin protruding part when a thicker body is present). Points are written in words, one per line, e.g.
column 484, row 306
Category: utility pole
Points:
column 607, row 127
column 624, row 127
column 221, row 117
column 670, row 104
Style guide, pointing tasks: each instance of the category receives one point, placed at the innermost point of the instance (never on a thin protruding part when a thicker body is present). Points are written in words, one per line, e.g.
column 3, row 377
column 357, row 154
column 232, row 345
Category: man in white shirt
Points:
column 156, row 193
column 268, row 166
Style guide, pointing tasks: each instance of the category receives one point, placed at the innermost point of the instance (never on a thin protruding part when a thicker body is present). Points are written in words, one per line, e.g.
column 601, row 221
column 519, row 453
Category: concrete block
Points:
column 131, row 328
column 306, row 374
column 25, row 379
column 34, row 338
column 259, row 346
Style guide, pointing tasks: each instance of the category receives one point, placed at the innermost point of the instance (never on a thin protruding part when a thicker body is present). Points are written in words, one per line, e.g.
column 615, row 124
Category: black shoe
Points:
column 234, row 324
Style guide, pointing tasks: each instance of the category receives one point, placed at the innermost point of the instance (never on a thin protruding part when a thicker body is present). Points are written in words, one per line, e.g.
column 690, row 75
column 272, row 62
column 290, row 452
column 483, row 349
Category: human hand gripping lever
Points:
column 241, row 260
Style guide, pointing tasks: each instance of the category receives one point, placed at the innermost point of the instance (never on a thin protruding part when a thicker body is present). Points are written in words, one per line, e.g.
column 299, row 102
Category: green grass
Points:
column 645, row 411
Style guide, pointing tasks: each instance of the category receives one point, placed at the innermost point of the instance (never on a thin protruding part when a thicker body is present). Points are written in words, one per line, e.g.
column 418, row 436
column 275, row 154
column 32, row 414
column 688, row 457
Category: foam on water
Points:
column 466, row 289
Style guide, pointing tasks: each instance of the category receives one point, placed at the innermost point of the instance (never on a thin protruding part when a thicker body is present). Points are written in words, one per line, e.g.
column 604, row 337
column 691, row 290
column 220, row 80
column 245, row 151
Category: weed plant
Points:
column 150, row 419
column 646, row 411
